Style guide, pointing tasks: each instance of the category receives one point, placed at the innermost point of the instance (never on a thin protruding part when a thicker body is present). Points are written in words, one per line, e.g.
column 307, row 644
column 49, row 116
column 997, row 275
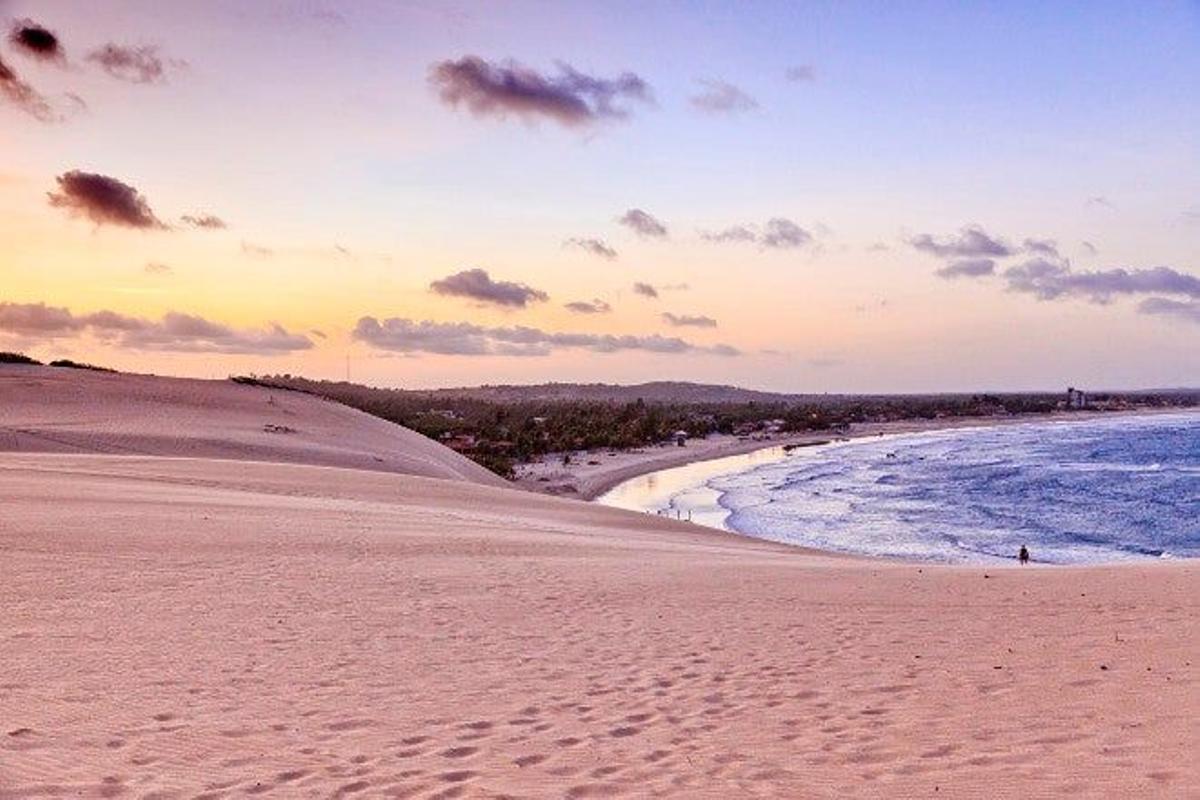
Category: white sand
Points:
column 211, row 628
column 46, row 409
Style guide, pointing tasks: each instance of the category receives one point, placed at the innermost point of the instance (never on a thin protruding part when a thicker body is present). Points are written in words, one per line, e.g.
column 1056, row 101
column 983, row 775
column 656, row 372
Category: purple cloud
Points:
column 719, row 97
column 464, row 338
column 203, row 221
column 476, row 284
column 132, row 64
column 970, row 242
column 570, row 98
column 687, row 320
column 643, row 224
column 589, row 307
column 20, row 94
column 778, row 233
column 173, row 332
column 103, row 200
column 1049, row 280
column 596, row 247
column 1189, row 311
column 968, row 268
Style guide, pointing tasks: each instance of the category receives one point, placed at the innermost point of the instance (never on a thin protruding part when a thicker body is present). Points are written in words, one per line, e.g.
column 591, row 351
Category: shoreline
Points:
column 593, row 474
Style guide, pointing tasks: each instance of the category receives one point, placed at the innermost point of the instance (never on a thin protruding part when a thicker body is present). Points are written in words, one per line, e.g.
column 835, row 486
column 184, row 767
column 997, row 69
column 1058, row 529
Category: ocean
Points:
column 1096, row 489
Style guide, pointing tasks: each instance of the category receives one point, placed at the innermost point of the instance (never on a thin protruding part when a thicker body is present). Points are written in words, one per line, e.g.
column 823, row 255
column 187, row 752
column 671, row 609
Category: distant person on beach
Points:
column 1023, row 556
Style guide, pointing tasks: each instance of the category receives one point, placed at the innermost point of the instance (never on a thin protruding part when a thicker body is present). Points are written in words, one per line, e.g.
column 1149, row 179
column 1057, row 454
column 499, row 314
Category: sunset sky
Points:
column 793, row 196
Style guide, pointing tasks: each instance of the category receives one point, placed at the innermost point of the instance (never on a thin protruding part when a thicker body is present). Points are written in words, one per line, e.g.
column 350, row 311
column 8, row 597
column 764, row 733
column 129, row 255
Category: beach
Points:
column 229, row 624
column 590, row 474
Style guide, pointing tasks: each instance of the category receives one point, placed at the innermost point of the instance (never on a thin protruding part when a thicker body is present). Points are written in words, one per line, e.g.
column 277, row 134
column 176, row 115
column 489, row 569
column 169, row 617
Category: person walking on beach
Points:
column 1023, row 555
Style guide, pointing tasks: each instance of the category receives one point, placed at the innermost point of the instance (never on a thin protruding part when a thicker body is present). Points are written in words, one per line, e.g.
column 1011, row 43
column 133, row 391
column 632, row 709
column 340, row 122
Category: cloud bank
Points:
column 464, row 338
column 477, row 284
column 174, row 332
column 103, row 200
column 502, row 89
column 1051, row 280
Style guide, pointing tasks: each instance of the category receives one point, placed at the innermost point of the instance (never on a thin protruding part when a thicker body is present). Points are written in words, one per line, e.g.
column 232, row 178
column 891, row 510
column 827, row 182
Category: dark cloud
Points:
column 476, row 284
column 777, row 233
column 687, row 320
column 1189, row 311
column 643, row 224
column 968, row 268
column 970, row 242
column 1050, row 280
column 596, row 247
column 589, row 307
column 35, row 41
column 175, row 332
column 157, row 268
column 25, row 97
column 801, row 73
column 570, row 98
column 103, row 200
column 204, row 221
column 719, row 97
column 645, row 290
column 132, row 64
column 1089, row 248
column 464, row 338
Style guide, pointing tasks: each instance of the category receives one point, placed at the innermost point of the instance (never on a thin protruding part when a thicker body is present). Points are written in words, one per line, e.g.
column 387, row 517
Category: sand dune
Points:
column 189, row 627
column 45, row 409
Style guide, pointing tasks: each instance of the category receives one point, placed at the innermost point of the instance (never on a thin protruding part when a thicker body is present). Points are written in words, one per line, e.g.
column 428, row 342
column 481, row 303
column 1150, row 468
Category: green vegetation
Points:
column 69, row 364
column 501, row 433
column 21, row 358
column 17, row 358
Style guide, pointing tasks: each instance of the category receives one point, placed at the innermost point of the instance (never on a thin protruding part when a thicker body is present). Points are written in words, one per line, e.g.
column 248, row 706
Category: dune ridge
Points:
column 45, row 409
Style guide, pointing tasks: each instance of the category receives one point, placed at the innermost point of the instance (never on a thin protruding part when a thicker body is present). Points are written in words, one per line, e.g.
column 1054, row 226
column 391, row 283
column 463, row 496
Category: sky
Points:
column 813, row 197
